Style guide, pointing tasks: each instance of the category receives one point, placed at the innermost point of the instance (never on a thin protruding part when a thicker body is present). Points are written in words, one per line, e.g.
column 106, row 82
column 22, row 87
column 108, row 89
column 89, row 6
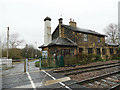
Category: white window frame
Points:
column 99, row 40
column 85, row 37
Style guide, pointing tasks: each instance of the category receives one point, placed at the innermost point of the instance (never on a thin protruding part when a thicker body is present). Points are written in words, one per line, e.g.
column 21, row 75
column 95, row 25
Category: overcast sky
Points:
column 26, row 17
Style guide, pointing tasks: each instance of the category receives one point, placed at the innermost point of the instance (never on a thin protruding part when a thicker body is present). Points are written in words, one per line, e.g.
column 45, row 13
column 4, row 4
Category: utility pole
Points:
column 119, row 24
column 7, row 42
column 36, row 50
column 1, row 48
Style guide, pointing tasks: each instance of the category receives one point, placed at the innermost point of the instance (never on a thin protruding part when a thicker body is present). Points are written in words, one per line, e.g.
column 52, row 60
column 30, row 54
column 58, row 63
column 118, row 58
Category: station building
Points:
column 71, row 39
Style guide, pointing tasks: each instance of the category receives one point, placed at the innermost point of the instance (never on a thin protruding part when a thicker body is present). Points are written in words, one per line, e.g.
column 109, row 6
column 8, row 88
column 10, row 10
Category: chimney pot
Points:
column 72, row 23
column 60, row 20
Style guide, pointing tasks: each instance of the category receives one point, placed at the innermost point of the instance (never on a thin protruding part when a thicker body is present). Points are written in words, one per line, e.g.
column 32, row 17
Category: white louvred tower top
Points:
column 47, row 31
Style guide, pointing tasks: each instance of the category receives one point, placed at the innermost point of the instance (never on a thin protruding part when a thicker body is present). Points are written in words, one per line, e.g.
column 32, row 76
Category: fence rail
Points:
column 7, row 62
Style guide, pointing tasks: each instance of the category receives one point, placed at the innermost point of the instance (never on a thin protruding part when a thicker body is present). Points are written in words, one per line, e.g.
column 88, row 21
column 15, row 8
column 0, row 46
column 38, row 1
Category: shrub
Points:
column 85, row 58
column 114, row 56
column 37, row 63
column 70, row 60
column 97, row 57
column 118, row 58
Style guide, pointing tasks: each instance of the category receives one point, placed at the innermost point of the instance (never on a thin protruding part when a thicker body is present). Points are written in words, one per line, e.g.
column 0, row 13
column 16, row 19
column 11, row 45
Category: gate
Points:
column 43, row 63
column 52, row 62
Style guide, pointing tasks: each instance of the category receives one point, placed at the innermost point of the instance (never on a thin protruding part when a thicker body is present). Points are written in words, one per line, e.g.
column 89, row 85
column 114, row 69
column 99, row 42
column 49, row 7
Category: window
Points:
column 99, row 39
column 116, row 51
column 98, row 50
column 111, row 51
column 85, row 37
column 80, row 50
column 90, row 51
column 103, row 51
column 72, row 52
column 67, row 52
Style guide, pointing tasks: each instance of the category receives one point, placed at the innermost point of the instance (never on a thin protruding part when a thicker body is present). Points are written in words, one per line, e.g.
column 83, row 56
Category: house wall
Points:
column 91, row 43
column 79, row 39
column 55, row 33
column 61, row 50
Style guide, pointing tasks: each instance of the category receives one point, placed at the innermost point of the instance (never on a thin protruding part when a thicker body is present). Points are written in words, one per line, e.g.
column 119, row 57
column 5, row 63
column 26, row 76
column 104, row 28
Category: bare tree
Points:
column 14, row 40
column 3, row 41
column 112, row 33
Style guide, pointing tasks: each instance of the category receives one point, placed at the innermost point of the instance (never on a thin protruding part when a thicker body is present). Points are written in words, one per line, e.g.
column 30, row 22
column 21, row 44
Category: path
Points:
column 35, row 79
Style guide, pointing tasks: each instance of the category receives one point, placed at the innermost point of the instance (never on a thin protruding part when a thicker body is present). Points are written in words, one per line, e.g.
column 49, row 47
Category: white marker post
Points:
column 26, row 65
column 40, row 64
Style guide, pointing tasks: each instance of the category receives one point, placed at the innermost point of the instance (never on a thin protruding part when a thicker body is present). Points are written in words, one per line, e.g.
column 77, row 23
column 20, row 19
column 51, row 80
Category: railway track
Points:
column 106, row 81
column 109, row 81
column 87, row 69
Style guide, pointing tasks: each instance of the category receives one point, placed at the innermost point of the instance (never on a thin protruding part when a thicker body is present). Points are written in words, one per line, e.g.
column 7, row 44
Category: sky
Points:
column 26, row 17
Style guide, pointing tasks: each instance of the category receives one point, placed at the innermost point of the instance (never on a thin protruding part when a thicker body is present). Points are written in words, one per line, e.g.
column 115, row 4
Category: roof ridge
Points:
column 71, row 40
column 84, row 30
column 56, row 40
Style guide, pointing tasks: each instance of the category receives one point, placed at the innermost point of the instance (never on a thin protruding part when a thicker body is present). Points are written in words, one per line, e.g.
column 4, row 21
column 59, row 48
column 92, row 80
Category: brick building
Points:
column 70, row 40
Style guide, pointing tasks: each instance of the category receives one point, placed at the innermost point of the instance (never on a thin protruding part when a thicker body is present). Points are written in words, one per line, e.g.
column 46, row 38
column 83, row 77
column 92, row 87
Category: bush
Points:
column 116, row 57
column 107, row 57
column 70, row 60
column 85, row 58
column 97, row 57
column 37, row 63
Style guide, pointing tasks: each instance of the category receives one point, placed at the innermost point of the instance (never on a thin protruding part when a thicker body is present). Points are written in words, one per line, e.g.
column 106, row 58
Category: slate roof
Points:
column 77, row 29
column 62, row 42
column 42, row 46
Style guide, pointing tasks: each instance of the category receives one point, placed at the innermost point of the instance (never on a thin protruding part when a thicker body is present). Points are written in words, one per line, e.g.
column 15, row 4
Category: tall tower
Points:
column 47, row 31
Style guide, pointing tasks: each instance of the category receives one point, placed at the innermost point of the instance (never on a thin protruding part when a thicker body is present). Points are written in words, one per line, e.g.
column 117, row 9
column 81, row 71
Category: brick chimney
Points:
column 72, row 23
column 60, row 29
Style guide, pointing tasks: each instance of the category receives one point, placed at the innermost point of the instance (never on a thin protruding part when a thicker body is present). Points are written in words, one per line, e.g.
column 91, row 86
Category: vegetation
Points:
column 112, row 33
column 78, row 59
column 15, row 52
column 86, row 58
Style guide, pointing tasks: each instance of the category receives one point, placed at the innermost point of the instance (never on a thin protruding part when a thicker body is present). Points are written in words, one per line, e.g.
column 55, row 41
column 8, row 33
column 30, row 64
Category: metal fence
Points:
column 51, row 62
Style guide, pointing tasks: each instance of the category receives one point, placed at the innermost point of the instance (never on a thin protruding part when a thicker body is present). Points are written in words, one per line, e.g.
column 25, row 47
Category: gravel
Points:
column 82, row 76
column 85, row 75
column 86, row 65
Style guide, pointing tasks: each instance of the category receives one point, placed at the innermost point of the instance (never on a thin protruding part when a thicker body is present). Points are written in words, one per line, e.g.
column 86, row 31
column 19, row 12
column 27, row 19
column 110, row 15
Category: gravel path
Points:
column 19, row 68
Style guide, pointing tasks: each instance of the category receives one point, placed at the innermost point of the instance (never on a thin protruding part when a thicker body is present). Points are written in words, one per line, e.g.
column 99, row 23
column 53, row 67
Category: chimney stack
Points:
column 60, row 20
column 60, row 29
column 72, row 23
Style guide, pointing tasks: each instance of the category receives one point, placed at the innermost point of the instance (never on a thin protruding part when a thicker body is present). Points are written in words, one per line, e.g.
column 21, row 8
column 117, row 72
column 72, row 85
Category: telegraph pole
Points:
column 119, row 23
column 36, row 50
column 0, row 48
column 7, row 41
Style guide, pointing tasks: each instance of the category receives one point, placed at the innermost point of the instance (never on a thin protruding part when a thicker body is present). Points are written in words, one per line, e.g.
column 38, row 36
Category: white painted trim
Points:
column 55, row 79
column 31, row 81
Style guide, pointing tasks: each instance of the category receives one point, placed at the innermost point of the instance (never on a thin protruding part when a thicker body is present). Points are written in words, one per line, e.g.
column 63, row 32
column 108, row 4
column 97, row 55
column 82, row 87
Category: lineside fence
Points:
column 61, row 61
